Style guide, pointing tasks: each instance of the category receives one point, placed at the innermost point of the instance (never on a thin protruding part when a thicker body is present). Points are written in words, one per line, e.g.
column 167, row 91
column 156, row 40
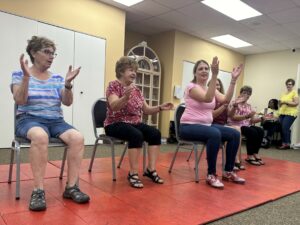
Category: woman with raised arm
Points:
column 126, row 104
column 38, row 94
column 196, row 121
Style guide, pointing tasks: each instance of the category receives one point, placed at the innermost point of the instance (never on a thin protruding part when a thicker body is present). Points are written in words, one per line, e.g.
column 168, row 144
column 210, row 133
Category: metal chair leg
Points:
column 93, row 155
column 122, row 156
column 18, row 162
column 11, row 164
column 113, row 160
column 63, row 163
column 188, row 159
column 144, row 156
column 196, row 164
column 174, row 157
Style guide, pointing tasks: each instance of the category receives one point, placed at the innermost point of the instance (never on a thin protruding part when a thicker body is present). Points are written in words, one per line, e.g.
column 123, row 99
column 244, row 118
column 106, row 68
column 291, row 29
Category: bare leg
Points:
column 38, row 155
column 133, row 154
column 153, row 151
column 75, row 142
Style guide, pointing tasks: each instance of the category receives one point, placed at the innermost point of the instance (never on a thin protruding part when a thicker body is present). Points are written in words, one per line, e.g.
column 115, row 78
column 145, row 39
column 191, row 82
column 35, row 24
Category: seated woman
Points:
column 196, row 121
column 220, row 116
column 38, row 94
column 270, row 123
column 125, row 107
column 242, row 115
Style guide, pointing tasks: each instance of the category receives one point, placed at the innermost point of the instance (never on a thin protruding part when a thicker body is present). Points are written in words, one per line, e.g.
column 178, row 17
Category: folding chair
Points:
column 182, row 144
column 17, row 144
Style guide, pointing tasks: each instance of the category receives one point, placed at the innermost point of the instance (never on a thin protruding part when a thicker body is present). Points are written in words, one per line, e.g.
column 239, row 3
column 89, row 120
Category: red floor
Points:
column 179, row 201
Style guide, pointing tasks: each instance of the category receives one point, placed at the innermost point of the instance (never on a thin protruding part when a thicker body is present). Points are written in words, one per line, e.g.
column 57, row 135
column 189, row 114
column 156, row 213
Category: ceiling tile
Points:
column 175, row 4
column 277, row 32
column 293, row 27
column 132, row 17
column 150, row 7
column 286, row 16
column 268, row 6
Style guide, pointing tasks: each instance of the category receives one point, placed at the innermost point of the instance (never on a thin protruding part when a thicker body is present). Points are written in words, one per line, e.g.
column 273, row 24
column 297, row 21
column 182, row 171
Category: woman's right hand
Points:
column 24, row 66
column 128, row 90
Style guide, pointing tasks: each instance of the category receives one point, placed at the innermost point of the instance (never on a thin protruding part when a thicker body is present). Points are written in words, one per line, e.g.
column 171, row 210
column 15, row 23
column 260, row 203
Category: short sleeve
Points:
column 17, row 77
column 113, row 88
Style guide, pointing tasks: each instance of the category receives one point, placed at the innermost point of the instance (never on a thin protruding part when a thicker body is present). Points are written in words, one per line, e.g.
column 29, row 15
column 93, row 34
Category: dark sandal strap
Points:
column 153, row 176
column 134, row 180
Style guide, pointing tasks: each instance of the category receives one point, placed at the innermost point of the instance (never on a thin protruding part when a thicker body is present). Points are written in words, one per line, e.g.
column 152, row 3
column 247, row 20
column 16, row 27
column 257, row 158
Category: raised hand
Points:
column 236, row 72
column 215, row 66
column 71, row 74
column 24, row 66
column 128, row 90
column 167, row 106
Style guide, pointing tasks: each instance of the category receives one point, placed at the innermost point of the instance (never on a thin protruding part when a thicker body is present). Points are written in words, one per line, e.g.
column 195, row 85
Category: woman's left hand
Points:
column 71, row 74
column 167, row 106
column 236, row 72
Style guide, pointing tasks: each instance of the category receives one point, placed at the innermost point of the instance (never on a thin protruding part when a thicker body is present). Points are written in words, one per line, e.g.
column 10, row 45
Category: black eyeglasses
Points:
column 289, row 84
column 48, row 52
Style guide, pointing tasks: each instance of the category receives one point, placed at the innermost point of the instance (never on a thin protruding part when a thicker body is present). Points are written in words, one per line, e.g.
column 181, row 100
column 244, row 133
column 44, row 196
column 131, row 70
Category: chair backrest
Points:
column 178, row 113
column 99, row 110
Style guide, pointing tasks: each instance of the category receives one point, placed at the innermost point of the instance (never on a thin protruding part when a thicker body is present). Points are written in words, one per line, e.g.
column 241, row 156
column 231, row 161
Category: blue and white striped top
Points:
column 44, row 96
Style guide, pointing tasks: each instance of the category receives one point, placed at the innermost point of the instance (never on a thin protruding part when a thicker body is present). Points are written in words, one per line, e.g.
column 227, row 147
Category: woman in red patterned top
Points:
column 125, row 107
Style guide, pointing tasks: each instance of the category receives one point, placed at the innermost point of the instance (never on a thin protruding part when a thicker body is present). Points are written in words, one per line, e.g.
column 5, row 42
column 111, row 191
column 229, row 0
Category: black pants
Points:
column 254, row 136
column 135, row 134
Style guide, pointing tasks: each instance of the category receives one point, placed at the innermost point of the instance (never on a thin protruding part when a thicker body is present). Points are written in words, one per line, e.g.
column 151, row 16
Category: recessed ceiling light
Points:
column 235, row 9
column 128, row 2
column 232, row 41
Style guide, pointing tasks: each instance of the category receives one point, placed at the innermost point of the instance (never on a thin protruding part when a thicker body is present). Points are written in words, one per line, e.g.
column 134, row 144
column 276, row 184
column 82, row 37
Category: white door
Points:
column 15, row 31
column 89, row 85
column 64, row 42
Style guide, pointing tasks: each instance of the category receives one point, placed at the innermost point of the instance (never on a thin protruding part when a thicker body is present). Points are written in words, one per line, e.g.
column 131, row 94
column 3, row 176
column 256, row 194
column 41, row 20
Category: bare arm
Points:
column 20, row 92
column 116, row 103
column 293, row 103
column 217, row 112
column 155, row 109
column 236, row 72
column 67, row 94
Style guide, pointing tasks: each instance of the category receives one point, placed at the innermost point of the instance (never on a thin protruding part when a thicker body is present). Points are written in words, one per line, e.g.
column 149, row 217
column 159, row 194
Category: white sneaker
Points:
column 213, row 181
column 232, row 176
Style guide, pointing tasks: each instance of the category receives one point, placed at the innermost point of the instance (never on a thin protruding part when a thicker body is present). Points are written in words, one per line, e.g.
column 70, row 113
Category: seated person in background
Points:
column 220, row 115
column 125, row 107
column 196, row 121
column 241, row 114
column 270, row 122
column 38, row 94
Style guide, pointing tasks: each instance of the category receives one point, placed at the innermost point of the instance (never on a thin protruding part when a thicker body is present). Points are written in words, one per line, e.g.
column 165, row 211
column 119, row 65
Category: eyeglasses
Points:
column 48, row 52
column 289, row 84
column 246, row 93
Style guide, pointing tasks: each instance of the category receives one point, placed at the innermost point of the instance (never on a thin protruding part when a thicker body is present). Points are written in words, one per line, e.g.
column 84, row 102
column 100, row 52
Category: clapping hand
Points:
column 128, row 90
column 24, row 66
column 167, row 106
column 71, row 74
column 236, row 72
column 215, row 66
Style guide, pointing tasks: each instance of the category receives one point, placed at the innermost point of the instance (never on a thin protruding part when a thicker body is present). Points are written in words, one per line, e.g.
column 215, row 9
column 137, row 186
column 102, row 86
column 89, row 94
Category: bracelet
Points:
column 233, row 82
column 159, row 108
column 68, row 87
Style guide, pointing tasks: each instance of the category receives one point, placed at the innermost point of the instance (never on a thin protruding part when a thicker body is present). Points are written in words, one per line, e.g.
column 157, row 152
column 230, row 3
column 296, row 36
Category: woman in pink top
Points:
column 125, row 107
column 242, row 115
column 196, row 121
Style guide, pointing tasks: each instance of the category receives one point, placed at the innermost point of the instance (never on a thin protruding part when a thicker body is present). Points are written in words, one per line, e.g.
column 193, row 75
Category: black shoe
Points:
column 75, row 194
column 37, row 201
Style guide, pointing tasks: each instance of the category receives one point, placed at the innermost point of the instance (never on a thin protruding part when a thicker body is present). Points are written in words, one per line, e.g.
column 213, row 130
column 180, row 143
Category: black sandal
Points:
column 261, row 162
column 252, row 162
column 239, row 165
column 153, row 176
column 134, row 180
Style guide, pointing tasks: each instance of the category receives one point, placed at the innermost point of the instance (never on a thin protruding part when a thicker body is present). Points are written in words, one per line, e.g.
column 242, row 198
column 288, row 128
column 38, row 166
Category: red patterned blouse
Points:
column 132, row 112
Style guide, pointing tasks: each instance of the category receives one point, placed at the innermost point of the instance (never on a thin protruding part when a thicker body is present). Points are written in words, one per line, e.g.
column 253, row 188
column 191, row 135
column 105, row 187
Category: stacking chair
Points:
column 98, row 115
column 184, row 143
column 17, row 144
column 99, row 110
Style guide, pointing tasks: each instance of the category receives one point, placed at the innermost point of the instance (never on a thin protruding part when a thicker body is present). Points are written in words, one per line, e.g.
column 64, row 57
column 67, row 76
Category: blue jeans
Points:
column 213, row 135
column 286, row 123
